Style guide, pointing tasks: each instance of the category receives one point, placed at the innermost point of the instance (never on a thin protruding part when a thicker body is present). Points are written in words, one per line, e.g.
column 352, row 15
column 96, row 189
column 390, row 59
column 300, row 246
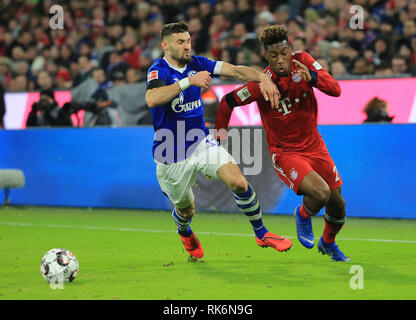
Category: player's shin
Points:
column 182, row 224
column 332, row 226
column 248, row 203
column 305, row 212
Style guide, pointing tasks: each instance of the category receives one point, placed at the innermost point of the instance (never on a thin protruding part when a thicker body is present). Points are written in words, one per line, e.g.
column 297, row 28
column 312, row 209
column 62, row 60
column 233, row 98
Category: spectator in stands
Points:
column 381, row 51
column 218, row 27
column 413, row 47
column 349, row 57
column 116, row 64
column 2, row 105
column 361, row 66
column 298, row 44
column 131, row 51
column 399, row 65
column 335, row 51
column 199, row 36
column 63, row 79
column 294, row 30
column 377, row 110
column 338, row 70
column 84, row 69
column 95, row 28
column 66, row 56
column 44, row 81
column 245, row 14
column 99, row 75
column 47, row 113
column 409, row 28
column 5, row 71
column 405, row 51
column 101, row 110
column 229, row 11
column 383, row 70
column 205, row 14
column 118, row 78
column 19, row 84
column 282, row 14
column 133, row 76
column 331, row 28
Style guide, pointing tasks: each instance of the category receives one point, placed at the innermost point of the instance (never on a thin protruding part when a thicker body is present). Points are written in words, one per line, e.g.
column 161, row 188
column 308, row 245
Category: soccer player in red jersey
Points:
column 299, row 154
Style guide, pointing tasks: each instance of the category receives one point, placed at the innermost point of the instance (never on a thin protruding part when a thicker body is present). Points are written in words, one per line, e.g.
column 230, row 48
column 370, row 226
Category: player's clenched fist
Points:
column 201, row 79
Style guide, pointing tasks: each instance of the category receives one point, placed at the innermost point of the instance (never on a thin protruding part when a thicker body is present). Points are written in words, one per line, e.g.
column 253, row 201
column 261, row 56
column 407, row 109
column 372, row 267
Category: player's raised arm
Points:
column 241, row 96
column 268, row 87
column 316, row 75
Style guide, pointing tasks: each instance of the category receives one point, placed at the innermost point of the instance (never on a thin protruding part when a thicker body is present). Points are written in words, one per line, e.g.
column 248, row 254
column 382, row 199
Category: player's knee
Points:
column 187, row 212
column 239, row 185
column 323, row 193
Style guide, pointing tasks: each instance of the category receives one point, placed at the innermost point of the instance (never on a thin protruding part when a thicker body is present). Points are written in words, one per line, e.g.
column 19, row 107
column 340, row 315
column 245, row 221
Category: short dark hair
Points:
column 273, row 34
column 170, row 28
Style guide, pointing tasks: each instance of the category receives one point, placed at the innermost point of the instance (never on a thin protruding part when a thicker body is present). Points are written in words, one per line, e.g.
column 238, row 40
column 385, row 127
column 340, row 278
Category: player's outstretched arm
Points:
column 222, row 120
column 162, row 94
column 268, row 87
column 239, row 97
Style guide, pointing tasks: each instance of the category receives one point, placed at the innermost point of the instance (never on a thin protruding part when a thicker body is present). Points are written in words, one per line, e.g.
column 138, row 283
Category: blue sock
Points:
column 182, row 224
column 248, row 203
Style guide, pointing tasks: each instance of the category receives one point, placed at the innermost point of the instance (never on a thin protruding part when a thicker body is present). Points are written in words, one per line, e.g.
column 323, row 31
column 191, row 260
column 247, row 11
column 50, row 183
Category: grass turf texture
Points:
column 121, row 259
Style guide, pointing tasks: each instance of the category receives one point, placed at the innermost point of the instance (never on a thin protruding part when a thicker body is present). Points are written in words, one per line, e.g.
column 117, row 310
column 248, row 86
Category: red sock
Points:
column 304, row 213
column 330, row 231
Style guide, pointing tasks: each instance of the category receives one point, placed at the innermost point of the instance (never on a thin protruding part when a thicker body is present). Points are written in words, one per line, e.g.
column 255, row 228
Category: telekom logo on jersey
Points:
column 284, row 104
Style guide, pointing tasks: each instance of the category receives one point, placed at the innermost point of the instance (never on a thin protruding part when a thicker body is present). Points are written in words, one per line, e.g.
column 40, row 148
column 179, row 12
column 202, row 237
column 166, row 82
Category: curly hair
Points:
column 273, row 34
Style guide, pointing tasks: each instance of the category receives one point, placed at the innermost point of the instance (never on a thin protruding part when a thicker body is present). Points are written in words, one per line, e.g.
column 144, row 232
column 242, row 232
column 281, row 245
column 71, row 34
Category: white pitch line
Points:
column 61, row 226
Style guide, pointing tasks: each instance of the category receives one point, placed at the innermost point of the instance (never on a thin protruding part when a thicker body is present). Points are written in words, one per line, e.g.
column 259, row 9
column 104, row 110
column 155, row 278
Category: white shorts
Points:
column 176, row 179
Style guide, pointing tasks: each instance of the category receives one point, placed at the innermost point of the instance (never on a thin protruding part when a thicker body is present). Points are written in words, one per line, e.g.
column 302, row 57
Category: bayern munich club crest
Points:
column 296, row 77
column 293, row 174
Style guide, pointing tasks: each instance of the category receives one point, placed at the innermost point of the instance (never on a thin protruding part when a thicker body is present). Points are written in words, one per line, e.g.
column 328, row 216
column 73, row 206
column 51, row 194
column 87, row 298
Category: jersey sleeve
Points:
column 156, row 77
column 321, row 79
column 205, row 64
column 241, row 96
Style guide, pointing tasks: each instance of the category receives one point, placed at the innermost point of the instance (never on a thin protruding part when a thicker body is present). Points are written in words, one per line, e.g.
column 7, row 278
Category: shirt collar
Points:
column 181, row 70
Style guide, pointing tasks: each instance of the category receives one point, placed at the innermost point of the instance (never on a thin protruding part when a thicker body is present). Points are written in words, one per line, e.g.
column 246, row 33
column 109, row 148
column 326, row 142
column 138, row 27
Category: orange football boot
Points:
column 193, row 246
column 274, row 241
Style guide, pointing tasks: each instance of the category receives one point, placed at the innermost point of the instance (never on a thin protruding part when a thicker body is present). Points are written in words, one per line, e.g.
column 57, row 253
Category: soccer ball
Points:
column 59, row 265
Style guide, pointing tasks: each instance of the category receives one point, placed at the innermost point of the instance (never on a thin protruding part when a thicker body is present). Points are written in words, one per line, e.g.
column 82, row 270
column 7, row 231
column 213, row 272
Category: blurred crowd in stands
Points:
column 114, row 42
column 122, row 36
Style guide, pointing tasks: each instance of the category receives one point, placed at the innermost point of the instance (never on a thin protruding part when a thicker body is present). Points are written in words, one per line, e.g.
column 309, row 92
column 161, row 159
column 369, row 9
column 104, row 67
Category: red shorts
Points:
column 292, row 167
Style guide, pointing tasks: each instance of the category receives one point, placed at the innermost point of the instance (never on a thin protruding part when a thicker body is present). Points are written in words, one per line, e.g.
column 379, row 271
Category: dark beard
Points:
column 183, row 61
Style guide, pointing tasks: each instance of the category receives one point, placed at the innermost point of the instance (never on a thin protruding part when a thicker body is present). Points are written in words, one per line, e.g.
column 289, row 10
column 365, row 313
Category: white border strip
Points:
column 21, row 224
column 412, row 117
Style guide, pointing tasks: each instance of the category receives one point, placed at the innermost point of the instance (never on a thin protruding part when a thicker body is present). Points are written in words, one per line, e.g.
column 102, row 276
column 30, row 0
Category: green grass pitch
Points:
column 126, row 254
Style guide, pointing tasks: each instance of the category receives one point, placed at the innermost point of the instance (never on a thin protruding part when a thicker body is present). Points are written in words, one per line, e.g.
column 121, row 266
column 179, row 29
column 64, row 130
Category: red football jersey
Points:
column 293, row 124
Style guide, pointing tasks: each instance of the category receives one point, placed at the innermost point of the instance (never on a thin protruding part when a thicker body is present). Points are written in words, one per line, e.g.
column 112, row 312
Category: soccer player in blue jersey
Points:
column 182, row 144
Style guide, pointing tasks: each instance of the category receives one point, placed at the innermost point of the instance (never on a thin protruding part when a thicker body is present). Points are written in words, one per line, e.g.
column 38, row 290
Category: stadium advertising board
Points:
column 114, row 168
column 400, row 94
